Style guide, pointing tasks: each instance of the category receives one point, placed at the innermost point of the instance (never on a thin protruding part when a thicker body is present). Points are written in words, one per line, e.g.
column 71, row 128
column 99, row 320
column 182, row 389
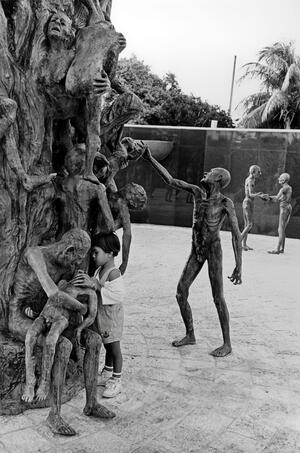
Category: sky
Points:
column 198, row 39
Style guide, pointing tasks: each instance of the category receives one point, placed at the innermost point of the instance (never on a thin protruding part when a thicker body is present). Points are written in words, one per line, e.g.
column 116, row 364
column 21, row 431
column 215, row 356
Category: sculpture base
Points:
column 12, row 378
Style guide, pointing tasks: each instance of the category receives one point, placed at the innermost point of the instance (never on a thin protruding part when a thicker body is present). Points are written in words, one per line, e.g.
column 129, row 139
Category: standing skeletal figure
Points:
column 211, row 208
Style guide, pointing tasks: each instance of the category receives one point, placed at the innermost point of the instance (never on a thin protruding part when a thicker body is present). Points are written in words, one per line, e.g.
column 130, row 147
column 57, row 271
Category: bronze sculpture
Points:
column 53, row 108
column 210, row 210
column 248, row 203
column 283, row 197
column 77, row 199
column 54, row 319
column 131, row 196
column 39, row 273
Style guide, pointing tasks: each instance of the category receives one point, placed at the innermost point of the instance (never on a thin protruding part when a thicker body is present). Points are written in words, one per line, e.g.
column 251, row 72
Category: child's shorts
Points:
column 111, row 319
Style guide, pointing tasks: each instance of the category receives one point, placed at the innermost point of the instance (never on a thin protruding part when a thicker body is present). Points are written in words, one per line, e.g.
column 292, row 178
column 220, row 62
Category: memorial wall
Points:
column 188, row 152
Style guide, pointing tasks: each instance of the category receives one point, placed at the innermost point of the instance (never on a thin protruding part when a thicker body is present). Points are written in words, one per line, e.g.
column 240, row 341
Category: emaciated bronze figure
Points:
column 211, row 208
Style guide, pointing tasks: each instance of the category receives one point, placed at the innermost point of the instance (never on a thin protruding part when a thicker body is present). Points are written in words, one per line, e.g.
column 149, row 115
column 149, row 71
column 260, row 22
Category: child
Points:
column 110, row 316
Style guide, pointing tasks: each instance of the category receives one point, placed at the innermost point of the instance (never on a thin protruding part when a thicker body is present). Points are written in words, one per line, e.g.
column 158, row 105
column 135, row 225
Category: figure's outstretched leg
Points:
column 30, row 362
column 93, row 141
column 190, row 272
column 48, row 356
column 92, row 342
column 284, row 218
column 282, row 245
column 95, row 11
column 18, row 323
column 216, row 280
column 281, row 230
column 61, row 359
column 248, row 224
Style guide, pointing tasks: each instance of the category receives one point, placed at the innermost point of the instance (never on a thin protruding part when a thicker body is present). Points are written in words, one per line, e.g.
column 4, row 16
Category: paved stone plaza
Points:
column 184, row 400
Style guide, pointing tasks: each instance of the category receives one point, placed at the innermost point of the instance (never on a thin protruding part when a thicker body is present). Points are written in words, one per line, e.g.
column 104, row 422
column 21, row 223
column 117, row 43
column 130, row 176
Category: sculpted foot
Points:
column 222, row 351
column 274, row 252
column 246, row 248
column 98, row 411
column 28, row 394
column 42, row 391
column 188, row 339
column 59, row 426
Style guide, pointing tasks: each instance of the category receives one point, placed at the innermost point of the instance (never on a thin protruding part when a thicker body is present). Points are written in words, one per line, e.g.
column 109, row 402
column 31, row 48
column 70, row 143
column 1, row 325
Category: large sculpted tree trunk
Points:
column 22, row 137
column 36, row 111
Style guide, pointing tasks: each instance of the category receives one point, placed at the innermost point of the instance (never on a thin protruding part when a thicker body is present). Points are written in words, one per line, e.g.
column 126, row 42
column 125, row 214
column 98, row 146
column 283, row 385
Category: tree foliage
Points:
column 164, row 101
column 277, row 104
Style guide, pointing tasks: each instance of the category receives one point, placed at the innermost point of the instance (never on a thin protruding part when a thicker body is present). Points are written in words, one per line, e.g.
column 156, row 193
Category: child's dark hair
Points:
column 109, row 242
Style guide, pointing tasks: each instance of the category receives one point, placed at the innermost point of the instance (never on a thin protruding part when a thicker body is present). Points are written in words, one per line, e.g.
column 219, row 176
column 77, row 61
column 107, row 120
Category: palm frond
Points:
column 254, row 118
column 292, row 76
column 278, row 69
column 265, row 73
column 278, row 101
column 254, row 100
column 280, row 55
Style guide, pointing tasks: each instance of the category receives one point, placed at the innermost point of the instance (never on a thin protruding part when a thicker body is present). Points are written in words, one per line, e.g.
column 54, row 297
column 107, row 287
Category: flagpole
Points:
column 232, row 85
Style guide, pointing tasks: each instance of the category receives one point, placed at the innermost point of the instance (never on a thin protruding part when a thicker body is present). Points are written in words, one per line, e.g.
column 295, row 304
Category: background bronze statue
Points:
column 283, row 197
column 211, row 208
column 248, row 203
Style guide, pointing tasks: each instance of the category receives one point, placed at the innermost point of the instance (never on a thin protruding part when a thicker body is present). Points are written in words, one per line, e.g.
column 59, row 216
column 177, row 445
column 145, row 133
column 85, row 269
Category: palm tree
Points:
column 277, row 104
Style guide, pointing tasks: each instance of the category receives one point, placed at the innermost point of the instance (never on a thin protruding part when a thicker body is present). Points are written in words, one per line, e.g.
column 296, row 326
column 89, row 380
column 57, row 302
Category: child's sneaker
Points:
column 104, row 376
column 112, row 388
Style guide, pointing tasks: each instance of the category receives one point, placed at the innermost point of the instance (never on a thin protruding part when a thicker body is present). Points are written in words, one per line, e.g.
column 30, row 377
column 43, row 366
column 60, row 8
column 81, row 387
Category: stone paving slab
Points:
column 184, row 400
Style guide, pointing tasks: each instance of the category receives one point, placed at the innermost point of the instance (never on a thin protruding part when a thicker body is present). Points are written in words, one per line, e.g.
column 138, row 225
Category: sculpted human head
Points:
column 101, row 168
column 135, row 195
column 75, row 159
column 73, row 247
column 283, row 178
column 217, row 175
column 255, row 171
column 134, row 148
column 60, row 29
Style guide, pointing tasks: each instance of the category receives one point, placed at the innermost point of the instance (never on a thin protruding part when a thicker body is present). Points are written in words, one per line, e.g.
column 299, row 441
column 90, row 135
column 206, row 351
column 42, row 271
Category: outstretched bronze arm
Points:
column 70, row 303
column 251, row 193
column 236, row 276
column 126, row 237
column 275, row 198
column 173, row 182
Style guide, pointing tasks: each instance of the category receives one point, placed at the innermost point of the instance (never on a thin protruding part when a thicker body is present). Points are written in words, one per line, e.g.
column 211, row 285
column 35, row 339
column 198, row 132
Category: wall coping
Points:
column 214, row 129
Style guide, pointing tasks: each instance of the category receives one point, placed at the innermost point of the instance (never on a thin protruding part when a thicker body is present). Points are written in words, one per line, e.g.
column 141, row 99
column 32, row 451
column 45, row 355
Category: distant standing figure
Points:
column 248, row 203
column 284, row 198
column 210, row 210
